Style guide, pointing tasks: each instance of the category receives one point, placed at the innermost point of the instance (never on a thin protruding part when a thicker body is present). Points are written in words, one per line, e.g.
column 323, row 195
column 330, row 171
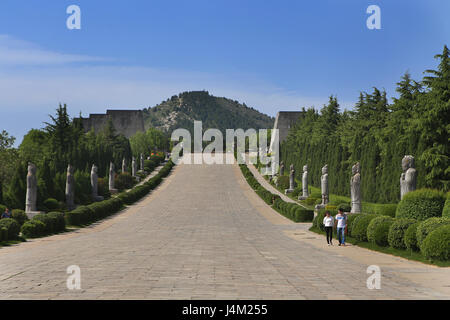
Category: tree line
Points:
column 378, row 134
column 61, row 142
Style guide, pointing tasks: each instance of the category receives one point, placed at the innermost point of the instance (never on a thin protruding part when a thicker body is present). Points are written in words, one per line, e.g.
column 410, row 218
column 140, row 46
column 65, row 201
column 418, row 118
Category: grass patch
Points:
column 407, row 254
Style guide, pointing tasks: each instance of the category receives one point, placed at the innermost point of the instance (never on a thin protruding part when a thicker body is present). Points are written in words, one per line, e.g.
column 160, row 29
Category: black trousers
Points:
column 329, row 231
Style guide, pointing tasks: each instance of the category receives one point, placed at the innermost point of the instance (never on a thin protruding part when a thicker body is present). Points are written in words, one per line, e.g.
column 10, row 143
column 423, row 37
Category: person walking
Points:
column 341, row 221
column 328, row 222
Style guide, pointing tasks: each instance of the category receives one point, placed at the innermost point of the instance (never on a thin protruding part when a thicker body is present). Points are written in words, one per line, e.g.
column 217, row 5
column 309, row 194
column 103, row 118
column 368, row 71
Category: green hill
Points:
column 180, row 112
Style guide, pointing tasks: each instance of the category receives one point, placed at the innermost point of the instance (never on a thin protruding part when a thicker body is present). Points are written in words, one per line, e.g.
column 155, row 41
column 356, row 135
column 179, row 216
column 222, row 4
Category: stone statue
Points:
column 31, row 197
column 324, row 187
column 142, row 162
column 94, row 184
column 304, row 183
column 282, row 168
column 124, row 166
column 291, row 180
column 355, row 188
column 111, row 178
column 70, row 188
column 408, row 178
column 133, row 167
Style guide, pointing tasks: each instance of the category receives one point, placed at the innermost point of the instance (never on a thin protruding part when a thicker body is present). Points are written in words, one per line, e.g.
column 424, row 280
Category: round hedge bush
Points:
column 20, row 216
column 436, row 245
column 359, row 228
column 353, row 221
column 446, row 210
column 51, row 204
column 421, row 204
column 33, row 229
column 410, row 237
column 396, row 235
column 11, row 226
column 387, row 210
column 427, row 226
column 378, row 230
column 350, row 219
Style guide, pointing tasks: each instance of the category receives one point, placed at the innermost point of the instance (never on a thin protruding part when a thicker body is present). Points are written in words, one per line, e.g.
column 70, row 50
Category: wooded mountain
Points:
column 181, row 110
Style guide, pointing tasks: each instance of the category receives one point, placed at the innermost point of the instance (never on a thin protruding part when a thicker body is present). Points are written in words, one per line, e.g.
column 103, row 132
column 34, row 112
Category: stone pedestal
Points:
column 31, row 214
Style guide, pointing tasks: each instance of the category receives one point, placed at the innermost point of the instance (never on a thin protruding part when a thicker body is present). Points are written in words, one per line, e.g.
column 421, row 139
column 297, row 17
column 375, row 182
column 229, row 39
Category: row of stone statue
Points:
column 408, row 180
column 31, row 195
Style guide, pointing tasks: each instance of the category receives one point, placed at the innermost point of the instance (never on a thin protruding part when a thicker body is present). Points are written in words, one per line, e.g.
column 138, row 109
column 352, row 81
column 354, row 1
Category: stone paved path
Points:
column 203, row 234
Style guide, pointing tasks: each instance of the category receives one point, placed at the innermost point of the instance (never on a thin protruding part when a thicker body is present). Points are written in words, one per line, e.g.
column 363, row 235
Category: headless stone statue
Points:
column 70, row 188
column 31, row 197
column 124, row 166
column 94, row 184
column 282, row 168
column 291, row 180
column 408, row 178
column 324, row 187
column 111, row 178
column 142, row 162
column 305, row 193
column 355, row 188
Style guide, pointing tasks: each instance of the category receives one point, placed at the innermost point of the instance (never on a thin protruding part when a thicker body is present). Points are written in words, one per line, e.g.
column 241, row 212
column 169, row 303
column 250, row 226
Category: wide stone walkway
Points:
column 203, row 234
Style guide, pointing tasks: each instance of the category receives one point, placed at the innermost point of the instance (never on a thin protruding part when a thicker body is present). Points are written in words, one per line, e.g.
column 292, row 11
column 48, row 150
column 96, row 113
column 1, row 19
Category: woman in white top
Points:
column 328, row 222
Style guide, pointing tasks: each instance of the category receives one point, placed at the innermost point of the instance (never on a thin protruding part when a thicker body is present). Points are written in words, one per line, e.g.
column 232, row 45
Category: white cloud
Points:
column 15, row 52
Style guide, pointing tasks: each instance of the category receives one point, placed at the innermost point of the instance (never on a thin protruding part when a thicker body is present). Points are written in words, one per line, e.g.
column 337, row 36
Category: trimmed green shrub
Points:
column 396, row 236
column 3, row 234
column 11, row 226
column 310, row 201
column 103, row 188
column 344, row 206
column 378, row 230
column 83, row 188
column 427, row 226
column 33, row 229
column 265, row 195
column 283, row 182
column 2, row 209
column 436, row 245
column 58, row 221
column 387, row 210
column 150, row 165
column 445, row 211
column 303, row 215
column 80, row 216
column 350, row 219
column 410, row 237
column 124, row 181
column 51, row 204
column 359, row 228
column 293, row 211
column 20, row 216
column 421, row 204
column 296, row 192
column 50, row 224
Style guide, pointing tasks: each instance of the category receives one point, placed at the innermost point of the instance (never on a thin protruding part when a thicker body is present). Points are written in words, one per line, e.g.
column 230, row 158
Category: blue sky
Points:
column 272, row 55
